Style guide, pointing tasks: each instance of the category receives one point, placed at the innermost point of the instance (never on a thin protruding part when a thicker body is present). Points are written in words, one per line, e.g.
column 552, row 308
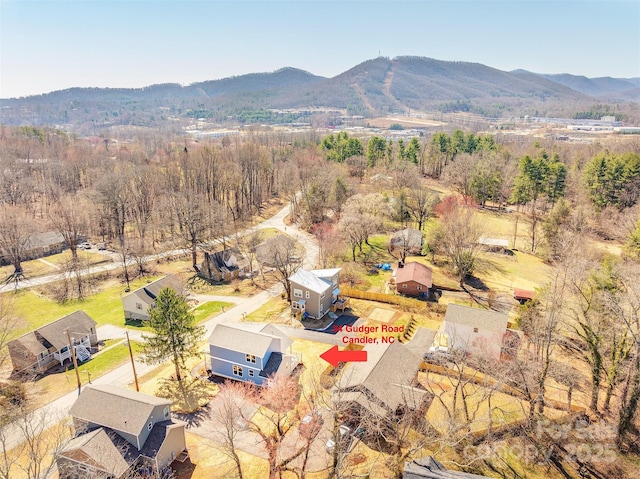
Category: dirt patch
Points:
column 382, row 315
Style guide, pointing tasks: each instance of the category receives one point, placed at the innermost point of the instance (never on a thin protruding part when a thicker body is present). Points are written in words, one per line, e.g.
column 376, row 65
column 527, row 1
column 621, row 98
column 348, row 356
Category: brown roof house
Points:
column 223, row 265
column 119, row 431
column 314, row 292
column 473, row 330
column 137, row 303
column 414, row 279
column 382, row 386
column 48, row 345
column 248, row 354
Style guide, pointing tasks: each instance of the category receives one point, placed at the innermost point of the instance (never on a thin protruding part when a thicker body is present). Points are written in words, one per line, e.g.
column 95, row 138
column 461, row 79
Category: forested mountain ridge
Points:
column 374, row 87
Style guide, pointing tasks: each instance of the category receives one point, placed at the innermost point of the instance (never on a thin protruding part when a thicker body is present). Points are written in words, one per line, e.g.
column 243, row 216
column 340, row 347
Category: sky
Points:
column 48, row 45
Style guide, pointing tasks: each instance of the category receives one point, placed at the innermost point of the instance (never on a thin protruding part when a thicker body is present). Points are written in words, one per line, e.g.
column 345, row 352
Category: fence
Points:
column 389, row 299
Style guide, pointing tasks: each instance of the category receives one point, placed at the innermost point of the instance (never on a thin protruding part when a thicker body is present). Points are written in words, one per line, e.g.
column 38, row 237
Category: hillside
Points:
column 374, row 87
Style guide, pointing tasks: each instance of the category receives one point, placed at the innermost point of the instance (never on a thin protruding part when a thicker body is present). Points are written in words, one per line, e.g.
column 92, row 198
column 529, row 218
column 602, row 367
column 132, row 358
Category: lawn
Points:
column 272, row 311
column 53, row 264
column 56, row 385
column 209, row 309
column 105, row 307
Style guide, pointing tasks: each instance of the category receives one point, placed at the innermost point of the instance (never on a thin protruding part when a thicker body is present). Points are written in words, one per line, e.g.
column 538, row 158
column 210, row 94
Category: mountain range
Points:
column 380, row 86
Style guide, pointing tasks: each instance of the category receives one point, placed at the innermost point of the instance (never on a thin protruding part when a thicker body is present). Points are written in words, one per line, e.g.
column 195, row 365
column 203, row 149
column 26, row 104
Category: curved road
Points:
column 123, row 375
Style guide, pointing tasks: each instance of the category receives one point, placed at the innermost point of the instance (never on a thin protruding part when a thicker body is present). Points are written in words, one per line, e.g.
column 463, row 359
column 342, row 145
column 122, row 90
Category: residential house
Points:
column 250, row 355
column 429, row 468
column 39, row 245
column 523, row 295
column 48, row 345
column 473, row 330
column 313, row 292
column 137, row 303
column 120, row 431
column 494, row 245
column 414, row 279
column 383, row 385
column 222, row 265
column 407, row 241
column 271, row 252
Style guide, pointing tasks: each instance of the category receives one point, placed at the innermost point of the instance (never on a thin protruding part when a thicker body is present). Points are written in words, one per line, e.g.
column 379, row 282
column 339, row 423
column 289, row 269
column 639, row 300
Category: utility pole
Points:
column 133, row 364
column 75, row 362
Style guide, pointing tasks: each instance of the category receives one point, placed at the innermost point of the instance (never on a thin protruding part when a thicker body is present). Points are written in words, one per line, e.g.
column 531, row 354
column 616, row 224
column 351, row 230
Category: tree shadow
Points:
column 195, row 418
column 188, row 396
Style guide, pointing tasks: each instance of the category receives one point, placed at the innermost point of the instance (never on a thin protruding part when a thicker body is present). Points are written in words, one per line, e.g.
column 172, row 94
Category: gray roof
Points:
column 421, row 341
column 475, row 317
column 224, row 261
column 150, row 292
column 409, row 237
column 244, row 341
column 429, row 468
column 101, row 449
column 310, row 281
column 104, row 449
column 43, row 240
column 54, row 334
column 117, row 408
column 388, row 374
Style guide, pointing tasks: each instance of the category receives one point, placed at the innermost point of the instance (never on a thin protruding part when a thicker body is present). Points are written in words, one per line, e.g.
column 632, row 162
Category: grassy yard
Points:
column 53, row 264
column 105, row 307
column 56, row 385
column 272, row 311
column 209, row 309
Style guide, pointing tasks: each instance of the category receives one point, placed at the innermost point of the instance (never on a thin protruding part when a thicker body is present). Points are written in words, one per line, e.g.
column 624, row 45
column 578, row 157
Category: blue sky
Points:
column 48, row 45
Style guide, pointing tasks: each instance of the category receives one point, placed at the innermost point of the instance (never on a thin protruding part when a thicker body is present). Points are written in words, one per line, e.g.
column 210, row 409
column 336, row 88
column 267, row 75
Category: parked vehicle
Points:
column 101, row 246
column 84, row 246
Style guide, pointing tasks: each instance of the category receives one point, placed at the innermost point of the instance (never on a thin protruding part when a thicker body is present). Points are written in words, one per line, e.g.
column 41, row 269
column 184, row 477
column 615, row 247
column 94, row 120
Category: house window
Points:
column 294, row 305
column 307, row 294
column 149, row 426
column 297, row 293
column 251, row 372
column 475, row 330
column 404, row 286
column 237, row 371
column 322, row 296
column 419, row 288
column 166, row 412
column 139, row 306
column 251, row 358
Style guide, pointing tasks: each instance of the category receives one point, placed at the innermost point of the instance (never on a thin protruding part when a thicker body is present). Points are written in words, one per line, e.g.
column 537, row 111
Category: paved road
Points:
column 123, row 375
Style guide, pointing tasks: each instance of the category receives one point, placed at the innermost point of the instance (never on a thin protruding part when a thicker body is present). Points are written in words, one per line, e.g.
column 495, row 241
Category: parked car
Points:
column 101, row 246
column 344, row 436
column 84, row 246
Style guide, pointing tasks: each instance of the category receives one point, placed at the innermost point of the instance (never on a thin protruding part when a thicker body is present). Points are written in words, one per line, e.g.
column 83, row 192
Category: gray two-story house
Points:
column 119, row 431
column 313, row 292
column 252, row 355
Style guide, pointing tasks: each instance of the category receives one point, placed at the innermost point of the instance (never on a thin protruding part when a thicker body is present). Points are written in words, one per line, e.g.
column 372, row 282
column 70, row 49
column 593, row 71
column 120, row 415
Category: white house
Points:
column 474, row 330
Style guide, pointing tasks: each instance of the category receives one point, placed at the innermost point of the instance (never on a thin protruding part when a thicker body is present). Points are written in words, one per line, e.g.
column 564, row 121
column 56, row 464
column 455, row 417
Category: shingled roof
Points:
column 415, row 271
column 387, row 375
column 476, row 317
column 246, row 341
column 54, row 334
column 117, row 408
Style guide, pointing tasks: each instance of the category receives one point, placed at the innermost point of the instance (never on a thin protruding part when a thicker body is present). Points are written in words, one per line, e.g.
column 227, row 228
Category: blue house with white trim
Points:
column 248, row 354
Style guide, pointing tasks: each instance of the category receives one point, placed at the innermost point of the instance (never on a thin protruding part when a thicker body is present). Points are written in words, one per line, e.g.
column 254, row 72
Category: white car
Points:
column 84, row 246
column 344, row 434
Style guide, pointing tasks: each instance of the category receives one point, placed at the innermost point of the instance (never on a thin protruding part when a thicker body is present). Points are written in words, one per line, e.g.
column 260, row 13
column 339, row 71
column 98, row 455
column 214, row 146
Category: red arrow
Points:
column 333, row 356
